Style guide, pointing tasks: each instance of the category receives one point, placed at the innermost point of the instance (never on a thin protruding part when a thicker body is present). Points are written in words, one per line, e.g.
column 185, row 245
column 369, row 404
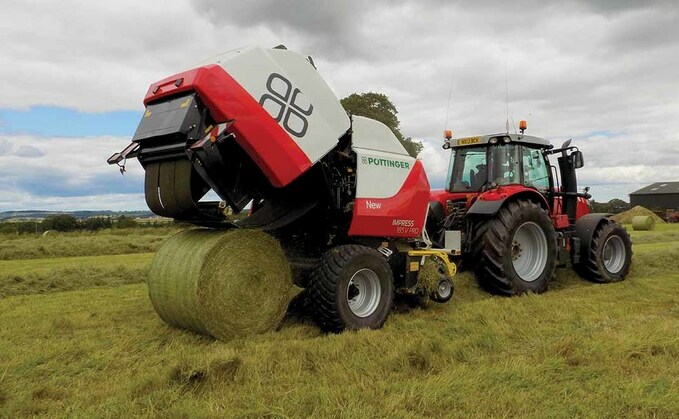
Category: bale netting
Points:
column 224, row 284
column 643, row 222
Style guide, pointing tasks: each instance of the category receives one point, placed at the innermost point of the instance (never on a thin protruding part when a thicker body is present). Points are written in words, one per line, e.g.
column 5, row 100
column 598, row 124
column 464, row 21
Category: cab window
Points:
column 467, row 169
column 535, row 171
column 504, row 162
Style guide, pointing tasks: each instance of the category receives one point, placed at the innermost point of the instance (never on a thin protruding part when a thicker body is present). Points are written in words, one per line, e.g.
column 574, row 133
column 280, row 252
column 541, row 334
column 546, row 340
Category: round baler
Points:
column 337, row 195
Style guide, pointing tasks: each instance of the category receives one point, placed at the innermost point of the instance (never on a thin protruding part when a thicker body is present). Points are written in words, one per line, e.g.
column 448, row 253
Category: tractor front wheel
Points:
column 610, row 255
column 351, row 288
column 516, row 251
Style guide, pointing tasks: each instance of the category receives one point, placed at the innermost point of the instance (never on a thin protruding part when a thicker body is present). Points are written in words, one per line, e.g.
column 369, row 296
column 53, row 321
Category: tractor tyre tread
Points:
column 491, row 249
column 591, row 266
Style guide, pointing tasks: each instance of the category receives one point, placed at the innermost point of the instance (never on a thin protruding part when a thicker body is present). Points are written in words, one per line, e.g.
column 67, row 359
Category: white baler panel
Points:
column 374, row 135
column 383, row 164
column 380, row 174
column 292, row 91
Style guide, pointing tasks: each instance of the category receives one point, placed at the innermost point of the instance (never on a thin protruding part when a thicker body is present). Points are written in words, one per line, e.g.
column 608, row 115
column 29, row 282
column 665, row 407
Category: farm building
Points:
column 657, row 196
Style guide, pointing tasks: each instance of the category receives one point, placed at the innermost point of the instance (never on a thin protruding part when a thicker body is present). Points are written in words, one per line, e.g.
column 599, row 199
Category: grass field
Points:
column 580, row 350
column 108, row 242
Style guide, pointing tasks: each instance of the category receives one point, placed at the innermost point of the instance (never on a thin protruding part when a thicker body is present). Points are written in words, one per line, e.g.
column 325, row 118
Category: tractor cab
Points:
column 489, row 168
column 480, row 163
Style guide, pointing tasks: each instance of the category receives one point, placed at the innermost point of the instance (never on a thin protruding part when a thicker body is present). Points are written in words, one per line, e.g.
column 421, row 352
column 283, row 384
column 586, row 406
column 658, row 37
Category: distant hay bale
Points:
column 221, row 283
column 643, row 222
column 627, row 216
column 48, row 233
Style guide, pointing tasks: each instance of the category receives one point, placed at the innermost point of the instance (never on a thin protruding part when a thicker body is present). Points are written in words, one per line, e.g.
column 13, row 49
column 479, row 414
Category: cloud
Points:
column 5, row 147
column 332, row 27
column 574, row 68
column 101, row 56
column 64, row 177
column 28, row 151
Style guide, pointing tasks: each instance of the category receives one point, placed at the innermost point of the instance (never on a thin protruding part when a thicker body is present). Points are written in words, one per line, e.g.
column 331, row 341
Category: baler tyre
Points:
column 610, row 255
column 351, row 288
column 516, row 251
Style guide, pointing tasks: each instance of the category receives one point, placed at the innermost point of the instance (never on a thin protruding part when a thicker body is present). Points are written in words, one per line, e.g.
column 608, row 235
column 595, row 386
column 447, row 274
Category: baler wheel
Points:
column 515, row 252
column 610, row 255
column 351, row 288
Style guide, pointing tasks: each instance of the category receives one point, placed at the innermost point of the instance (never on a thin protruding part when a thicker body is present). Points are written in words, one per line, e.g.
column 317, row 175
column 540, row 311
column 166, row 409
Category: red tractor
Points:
column 506, row 216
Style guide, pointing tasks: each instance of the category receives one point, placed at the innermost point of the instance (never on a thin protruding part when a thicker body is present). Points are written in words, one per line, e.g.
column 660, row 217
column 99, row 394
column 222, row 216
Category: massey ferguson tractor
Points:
column 349, row 206
column 505, row 213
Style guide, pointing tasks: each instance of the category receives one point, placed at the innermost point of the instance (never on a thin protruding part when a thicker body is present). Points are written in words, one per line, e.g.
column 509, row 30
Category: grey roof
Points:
column 484, row 139
column 658, row 188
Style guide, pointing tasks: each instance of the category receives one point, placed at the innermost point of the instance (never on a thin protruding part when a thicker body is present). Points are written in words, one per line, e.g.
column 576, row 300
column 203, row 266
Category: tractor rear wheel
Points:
column 515, row 252
column 351, row 288
column 610, row 255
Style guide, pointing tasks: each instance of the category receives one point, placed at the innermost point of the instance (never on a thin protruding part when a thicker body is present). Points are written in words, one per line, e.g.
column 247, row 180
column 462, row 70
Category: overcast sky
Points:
column 604, row 73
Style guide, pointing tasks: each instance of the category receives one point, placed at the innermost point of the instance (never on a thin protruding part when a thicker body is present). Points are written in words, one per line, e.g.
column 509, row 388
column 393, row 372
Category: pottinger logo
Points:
column 287, row 101
column 374, row 161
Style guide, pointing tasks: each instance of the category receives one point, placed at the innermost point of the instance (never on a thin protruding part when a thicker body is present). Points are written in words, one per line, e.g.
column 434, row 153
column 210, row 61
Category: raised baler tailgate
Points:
column 174, row 115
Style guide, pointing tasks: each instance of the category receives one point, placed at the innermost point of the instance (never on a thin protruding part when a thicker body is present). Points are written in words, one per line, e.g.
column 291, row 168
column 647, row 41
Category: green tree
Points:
column 7, row 228
column 97, row 223
column 618, row 205
column 61, row 222
column 614, row 206
column 377, row 106
column 126, row 222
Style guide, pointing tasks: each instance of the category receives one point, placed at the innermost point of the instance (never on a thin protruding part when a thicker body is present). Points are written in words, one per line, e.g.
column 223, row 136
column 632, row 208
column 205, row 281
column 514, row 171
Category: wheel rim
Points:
column 529, row 251
column 614, row 254
column 364, row 292
column 444, row 289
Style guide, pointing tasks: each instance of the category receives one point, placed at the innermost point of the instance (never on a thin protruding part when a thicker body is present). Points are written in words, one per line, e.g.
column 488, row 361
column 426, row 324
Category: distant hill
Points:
column 38, row 214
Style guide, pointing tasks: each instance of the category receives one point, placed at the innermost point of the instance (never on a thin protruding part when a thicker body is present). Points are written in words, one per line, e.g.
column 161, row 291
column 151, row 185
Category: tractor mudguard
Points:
column 490, row 202
column 486, row 208
column 585, row 227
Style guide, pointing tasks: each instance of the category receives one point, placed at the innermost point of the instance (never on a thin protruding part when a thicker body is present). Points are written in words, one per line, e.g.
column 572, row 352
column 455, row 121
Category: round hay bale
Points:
column 221, row 283
column 643, row 222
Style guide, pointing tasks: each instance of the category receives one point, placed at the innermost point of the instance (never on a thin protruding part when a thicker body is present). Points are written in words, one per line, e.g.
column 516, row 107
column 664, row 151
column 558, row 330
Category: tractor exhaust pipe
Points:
column 569, row 185
column 568, row 163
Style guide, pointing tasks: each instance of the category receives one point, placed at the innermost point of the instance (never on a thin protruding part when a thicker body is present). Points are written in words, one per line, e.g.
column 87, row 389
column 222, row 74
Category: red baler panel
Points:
column 265, row 141
column 402, row 215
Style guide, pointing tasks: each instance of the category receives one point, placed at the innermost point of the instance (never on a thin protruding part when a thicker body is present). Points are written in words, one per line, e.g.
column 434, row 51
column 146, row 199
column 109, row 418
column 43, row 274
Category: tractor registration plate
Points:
column 469, row 140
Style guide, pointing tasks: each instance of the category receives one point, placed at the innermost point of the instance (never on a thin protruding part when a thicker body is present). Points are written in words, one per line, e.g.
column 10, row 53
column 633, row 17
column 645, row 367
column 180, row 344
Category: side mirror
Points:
column 577, row 159
column 446, row 145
